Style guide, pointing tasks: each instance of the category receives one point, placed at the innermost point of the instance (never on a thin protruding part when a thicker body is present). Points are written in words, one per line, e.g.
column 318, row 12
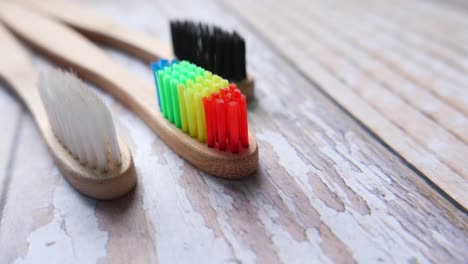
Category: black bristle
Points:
column 210, row 47
column 243, row 62
column 228, row 62
column 218, row 54
column 236, row 60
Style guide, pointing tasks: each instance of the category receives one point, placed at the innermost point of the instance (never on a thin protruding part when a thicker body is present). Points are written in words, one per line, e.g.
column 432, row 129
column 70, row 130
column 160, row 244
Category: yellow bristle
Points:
column 217, row 84
column 208, row 75
column 183, row 108
column 224, row 83
column 191, row 112
column 214, row 89
column 198, row 88
column 208, row 85
column 199, row 80
column 190, row 84
column 201, row 124
column 216, row 77
column 206, row 92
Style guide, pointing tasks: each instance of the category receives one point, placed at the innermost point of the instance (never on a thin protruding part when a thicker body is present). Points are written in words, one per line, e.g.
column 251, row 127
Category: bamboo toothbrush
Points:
column 70, row 50
column 199, row 44
column 80, row 135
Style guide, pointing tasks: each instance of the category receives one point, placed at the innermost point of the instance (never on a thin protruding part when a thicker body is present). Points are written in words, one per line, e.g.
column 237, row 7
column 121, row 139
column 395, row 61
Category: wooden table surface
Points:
column 337, row 183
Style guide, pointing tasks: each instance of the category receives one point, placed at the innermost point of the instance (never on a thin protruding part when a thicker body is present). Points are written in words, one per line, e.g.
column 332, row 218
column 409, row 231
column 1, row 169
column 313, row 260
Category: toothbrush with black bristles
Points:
column 214, row 49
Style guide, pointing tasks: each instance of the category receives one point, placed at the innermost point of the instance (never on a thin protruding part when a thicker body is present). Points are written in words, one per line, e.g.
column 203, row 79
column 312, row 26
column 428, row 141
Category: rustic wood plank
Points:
column 423, row 34
column 431, row 19
column 385, row 67
column 376, row 16
column 405, row 120
column 405, row 54
column 326, row 190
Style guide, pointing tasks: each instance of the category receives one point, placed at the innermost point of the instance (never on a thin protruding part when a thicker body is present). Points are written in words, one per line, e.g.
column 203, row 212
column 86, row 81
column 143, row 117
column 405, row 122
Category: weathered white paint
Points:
column 371, row 237
column 290, row 250
column 73, row 236
column 222, row 202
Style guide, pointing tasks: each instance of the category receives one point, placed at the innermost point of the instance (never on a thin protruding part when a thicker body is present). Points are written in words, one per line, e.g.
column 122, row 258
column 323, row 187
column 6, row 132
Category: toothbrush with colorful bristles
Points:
column 69, row 49
column 75, row 124
column 202, row 105
column 214, row 49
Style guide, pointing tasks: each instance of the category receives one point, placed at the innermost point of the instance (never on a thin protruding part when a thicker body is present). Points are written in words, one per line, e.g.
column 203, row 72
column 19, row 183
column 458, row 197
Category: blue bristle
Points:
column 155, row 66
column 163, row 63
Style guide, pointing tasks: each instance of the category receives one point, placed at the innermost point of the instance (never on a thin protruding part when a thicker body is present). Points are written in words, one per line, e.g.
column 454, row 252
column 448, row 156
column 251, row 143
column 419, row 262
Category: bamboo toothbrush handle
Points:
column 71, row 50
column 103, row 30
column 17, row 72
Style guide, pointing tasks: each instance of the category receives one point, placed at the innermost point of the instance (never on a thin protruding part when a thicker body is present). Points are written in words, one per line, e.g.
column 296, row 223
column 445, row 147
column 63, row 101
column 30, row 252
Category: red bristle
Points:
column 236, row 95
column 210, row 120
column 224, row 91
column 215, row 97
column 227, row 99
column 233, row 126
column 221, row 124
column 237, row 98
column 243, row 127
column 232, row 87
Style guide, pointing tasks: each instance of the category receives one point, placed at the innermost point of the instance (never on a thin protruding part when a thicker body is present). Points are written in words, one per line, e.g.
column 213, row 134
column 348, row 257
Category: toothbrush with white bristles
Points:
column 86, row 127
column 76, row 125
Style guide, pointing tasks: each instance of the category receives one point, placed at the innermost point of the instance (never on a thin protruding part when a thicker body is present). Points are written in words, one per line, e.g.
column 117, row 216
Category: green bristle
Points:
column 175, row 102
column 169, row 114
column 200, row 71
column 191, row 75
column 161, row 93
column 182, row 102
column 176, row 67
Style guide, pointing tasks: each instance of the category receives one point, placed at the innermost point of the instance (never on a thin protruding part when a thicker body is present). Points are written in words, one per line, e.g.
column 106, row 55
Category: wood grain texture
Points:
column 16, row 70
column 70, row 50
column 419, row 139
column 326, row 190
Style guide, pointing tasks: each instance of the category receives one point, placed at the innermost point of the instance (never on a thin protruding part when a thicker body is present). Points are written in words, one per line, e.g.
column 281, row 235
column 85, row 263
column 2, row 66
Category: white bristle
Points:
column 80, row 120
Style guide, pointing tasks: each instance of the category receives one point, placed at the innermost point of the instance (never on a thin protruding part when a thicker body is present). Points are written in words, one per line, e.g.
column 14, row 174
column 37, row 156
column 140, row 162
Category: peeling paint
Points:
column 73, row 236
column 371, row 237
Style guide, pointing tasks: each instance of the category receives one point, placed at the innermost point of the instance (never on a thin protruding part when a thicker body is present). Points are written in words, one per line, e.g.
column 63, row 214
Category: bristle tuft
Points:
column 212, row 48
column 202, row 105
column 80, row 120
